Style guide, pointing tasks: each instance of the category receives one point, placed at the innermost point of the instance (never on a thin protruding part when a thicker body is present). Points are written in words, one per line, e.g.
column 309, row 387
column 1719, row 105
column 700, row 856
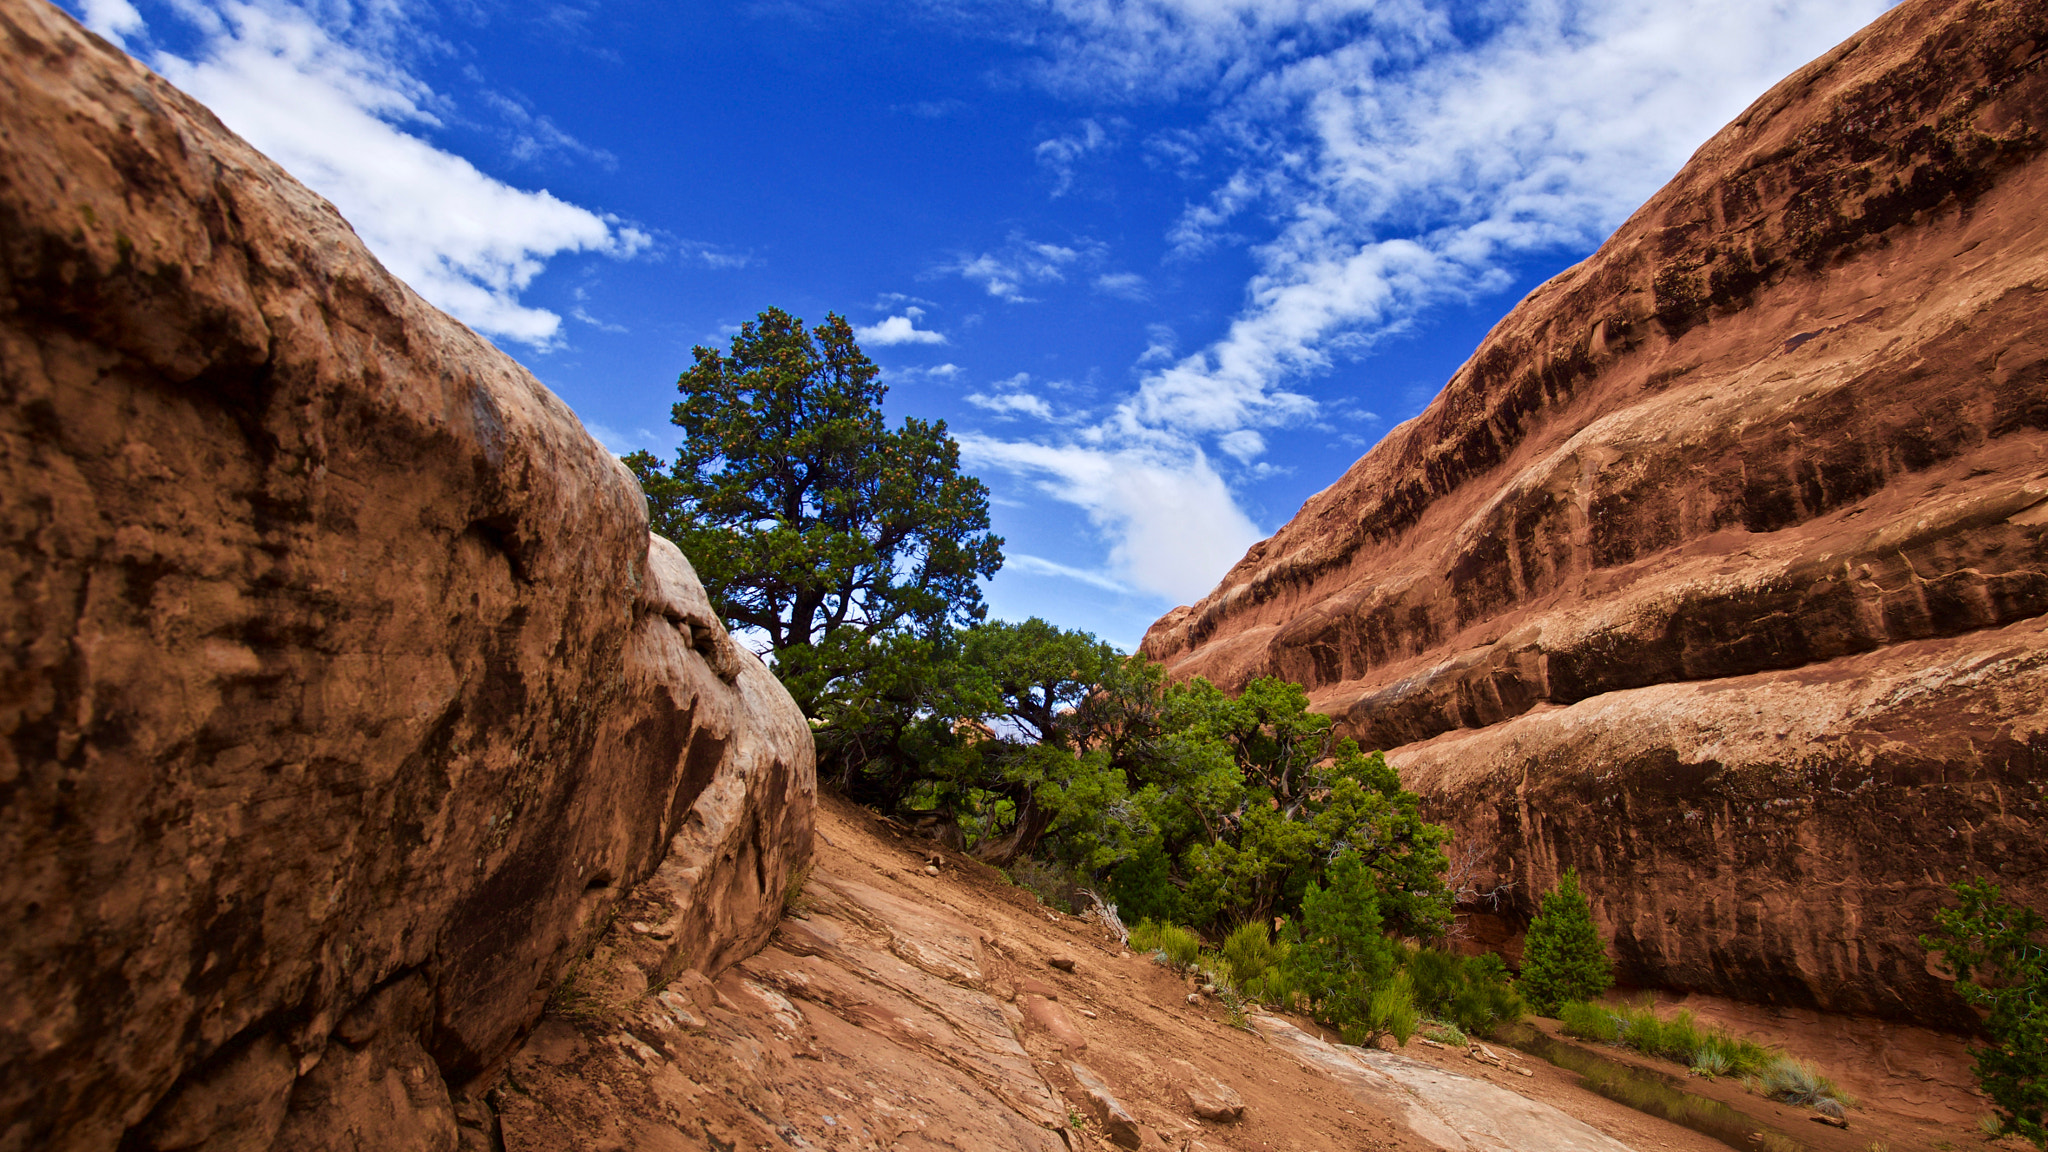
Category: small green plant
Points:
column 1170, row 944
column 1992, row 1125
column 1563, row 957
column 1710, row 1061
column 1443, row 1033
column 1343, row 955
column 1794, row 1081
column 1995, row 950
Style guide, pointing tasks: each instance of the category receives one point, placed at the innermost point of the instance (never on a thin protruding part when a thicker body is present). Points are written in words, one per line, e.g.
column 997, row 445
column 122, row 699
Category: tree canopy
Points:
column 812, row 524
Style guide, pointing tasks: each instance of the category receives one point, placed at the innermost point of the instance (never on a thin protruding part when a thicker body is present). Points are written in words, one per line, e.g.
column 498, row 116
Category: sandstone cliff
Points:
column 343, row 691
column 1718, row 571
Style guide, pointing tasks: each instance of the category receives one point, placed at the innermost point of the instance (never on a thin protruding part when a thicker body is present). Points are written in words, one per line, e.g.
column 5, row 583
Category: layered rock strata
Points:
column 1785, row 436
column 342, row 689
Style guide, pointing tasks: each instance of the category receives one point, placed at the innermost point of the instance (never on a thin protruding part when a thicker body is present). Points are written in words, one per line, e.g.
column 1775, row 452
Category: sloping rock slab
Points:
column 827, row 1038
column 1453, row 1112
column 342, row 689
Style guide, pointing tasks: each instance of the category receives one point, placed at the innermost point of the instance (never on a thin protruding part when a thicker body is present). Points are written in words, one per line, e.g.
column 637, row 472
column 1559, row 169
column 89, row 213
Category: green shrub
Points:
column 1563, row 957
column 1472, row 993
column 1142, row 886
column 1589, row 1021
column 1248, row 954
column 1793, row 1081
column 1445, row 1033
column 1170, row 944
column 1995, row 949
column 1709, row 1060
column 1342, row 955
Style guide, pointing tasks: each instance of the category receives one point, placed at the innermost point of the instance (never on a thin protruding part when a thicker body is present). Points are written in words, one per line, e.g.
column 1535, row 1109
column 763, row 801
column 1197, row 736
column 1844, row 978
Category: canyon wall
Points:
column 1718, row 572
column 343, row 692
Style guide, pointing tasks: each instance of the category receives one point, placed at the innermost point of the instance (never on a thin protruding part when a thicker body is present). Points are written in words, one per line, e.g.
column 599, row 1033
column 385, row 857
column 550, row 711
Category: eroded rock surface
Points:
column 1452, row 1112
column 1784, row 437
column 342, row 688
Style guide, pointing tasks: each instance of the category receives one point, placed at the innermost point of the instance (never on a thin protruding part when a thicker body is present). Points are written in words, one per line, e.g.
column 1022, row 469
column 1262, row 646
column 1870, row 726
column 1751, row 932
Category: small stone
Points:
column 1029, row 987
column 931, row 869
column 1087, row 1013
column 640, row 928
column 1063, row 963
column 1831, row 1121
column 1194, row 998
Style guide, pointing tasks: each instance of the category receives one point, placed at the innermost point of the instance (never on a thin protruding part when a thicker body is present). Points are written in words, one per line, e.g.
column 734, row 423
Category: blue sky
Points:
column 1166, row 267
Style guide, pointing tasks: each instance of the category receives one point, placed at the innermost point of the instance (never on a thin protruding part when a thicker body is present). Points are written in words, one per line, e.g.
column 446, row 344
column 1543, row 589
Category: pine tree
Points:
column 1563, row 958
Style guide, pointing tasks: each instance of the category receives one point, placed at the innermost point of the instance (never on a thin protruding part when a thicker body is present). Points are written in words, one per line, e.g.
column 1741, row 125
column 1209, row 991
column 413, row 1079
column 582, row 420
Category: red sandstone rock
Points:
column 345, row 691
column 1788, row 427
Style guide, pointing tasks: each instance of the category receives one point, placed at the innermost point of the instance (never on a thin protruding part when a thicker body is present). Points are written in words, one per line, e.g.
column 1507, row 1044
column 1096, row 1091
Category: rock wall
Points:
column 1783, row 438
column 342, row 689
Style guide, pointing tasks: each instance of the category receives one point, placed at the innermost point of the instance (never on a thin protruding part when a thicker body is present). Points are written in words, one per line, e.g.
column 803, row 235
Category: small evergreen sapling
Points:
column 2001, row 968
column 1563, row 958
column 1345, row 963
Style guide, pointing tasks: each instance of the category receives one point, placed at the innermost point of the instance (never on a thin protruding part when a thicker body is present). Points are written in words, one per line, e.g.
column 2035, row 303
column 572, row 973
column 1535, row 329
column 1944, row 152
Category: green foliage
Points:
column 1248, row 953
column 1170, row 944
column 1472, row 993
column 1792, row 1081
column 1589, row 1021
column 1389, row 1011
column 1995, row 949
column 1343, row 954
column 1142, row 885
column 1679, row 1037
column 1563, row 957
column 810, row 522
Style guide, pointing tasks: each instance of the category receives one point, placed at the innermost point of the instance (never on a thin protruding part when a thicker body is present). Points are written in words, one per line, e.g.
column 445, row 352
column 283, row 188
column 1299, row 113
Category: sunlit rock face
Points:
column 343, row 691
column 1718, row 571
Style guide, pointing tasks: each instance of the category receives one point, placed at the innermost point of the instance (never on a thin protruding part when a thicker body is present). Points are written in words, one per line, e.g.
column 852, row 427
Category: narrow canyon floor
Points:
column 901, row 1009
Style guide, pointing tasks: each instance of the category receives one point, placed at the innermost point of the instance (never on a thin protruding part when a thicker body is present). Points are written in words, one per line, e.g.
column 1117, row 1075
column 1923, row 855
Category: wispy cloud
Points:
column 1039, row 566
column 1020, row 263
column 1390, row 158
column 1059, row 154
column 333, row 104
column 898, row 329
column 1124, row 285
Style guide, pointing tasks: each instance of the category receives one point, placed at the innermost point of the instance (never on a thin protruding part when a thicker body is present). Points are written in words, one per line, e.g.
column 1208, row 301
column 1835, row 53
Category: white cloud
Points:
column 1039, row 566
column 1171, row 522
column 1059, row 154
column 1396, row 159
column 114, row 19
column 1411, row 167
column 900, row 329
column 1013, row 403
column 1006, row 272
column 1123, row 285
column 331, row 113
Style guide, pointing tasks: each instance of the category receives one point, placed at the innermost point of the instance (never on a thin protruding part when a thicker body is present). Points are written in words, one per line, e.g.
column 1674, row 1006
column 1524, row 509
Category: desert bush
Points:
column 1793, row 1081
column 1343, row 954
column 1248, row 952
column 1389, row 1011
column 1471, row 992
column 1170, row 944
column 1710, row 1061
column 1589, row 1021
